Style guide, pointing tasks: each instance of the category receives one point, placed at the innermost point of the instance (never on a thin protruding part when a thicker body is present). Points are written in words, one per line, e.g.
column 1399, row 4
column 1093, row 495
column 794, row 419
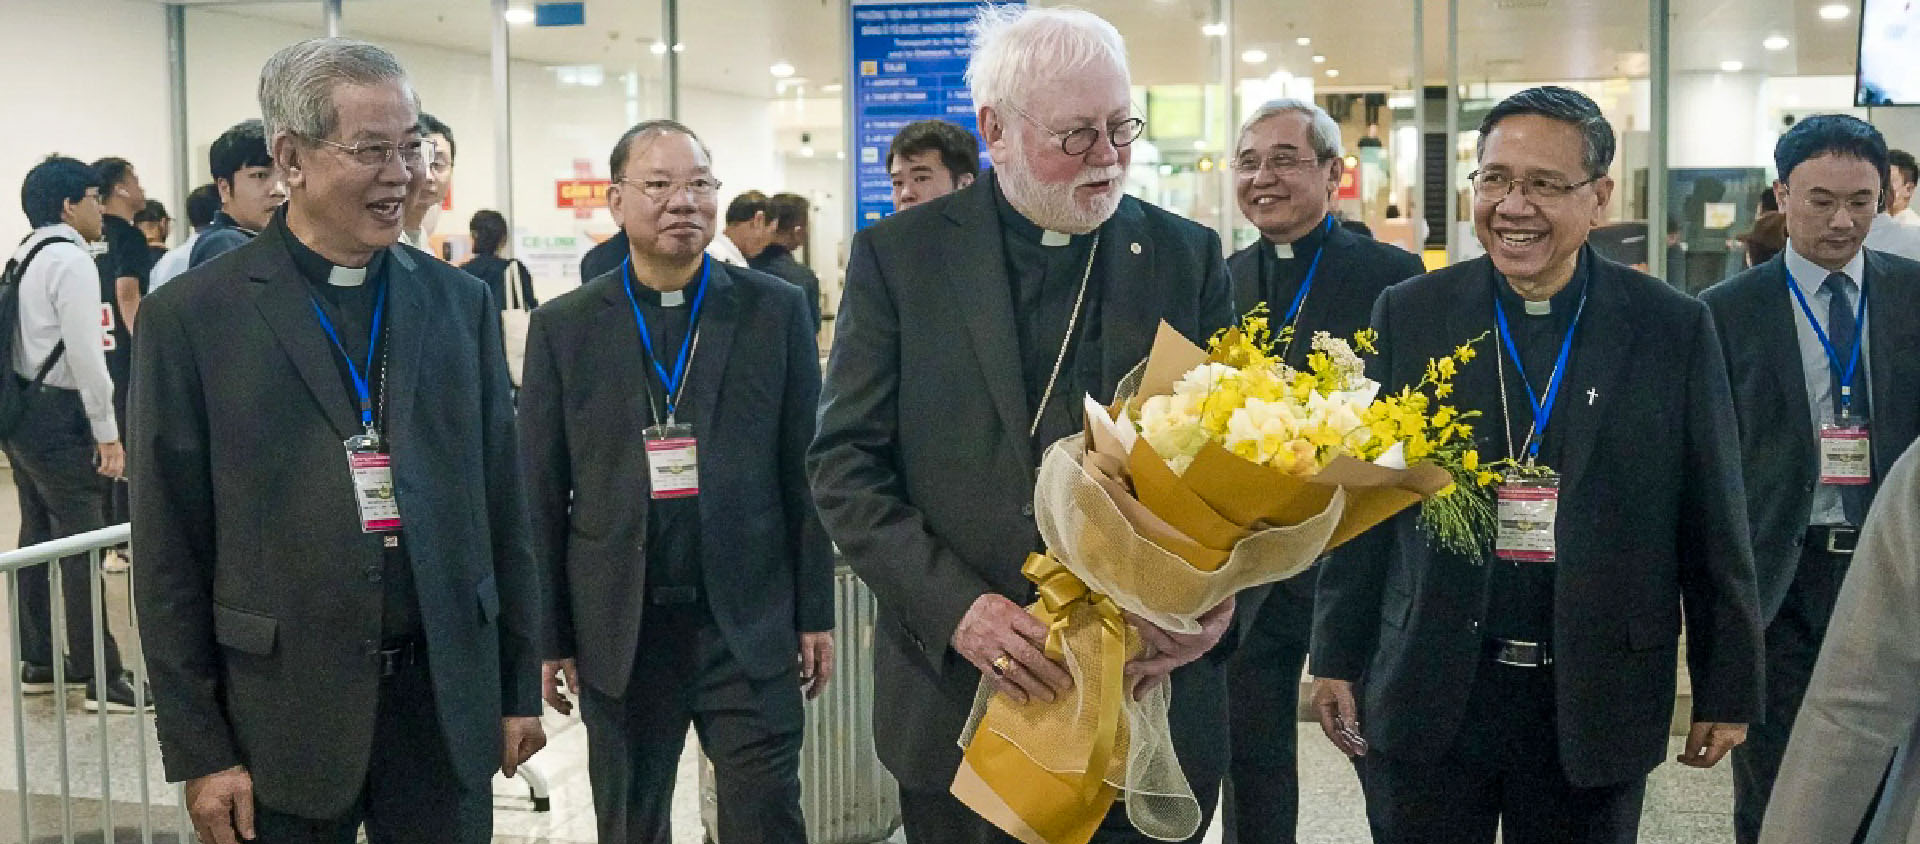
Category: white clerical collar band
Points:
column 1050, row 237
column 347, row 276
column 1283, row 251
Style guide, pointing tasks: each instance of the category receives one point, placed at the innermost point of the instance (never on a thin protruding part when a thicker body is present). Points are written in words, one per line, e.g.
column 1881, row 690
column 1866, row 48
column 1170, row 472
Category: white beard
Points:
column 1052, row 206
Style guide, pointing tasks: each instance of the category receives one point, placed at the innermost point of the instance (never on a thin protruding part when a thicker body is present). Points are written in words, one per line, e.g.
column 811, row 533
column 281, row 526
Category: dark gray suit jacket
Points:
column 255, row 610
column 1778, row 452
column 923, row 469
column 753, row 388
column 1652, row 522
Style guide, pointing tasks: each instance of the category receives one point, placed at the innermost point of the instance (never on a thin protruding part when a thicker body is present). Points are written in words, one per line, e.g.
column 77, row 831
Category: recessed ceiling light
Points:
column 1332, row 74
column 1214, row 30
column 1835, row 12
column 1319, row 59
column 1303, row 41
column 781, row 70
column 1254, row 56
column 518, row 16
column 1732, row 66
column 1776, row 43
column 659, row 48
column 679, row 48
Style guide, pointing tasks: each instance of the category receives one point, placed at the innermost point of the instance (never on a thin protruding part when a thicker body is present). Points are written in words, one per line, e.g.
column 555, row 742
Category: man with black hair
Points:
column 429, row 191
column 1821, row 343
column 203, row 203
column 124, row 268
column 250, row 190
column 1529, row 688
column 156, row 225
column 789, row 234
column 748, row 231
column 69, row 436
column 1903, row 174
column 929, row 159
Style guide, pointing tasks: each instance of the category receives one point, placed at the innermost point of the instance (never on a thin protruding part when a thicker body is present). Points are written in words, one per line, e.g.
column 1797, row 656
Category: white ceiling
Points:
column 731, row 43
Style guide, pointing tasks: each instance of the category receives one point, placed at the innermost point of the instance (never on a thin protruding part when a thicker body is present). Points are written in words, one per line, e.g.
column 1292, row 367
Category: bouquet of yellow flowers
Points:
column 1215, row 470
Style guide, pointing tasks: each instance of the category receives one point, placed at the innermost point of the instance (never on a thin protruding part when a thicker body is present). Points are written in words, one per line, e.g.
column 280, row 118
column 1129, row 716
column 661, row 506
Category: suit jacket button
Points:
column 1027, row 509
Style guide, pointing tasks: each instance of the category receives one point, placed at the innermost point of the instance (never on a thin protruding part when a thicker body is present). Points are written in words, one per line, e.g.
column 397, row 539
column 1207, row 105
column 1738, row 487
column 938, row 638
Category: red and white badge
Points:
column 373, row 490
column 1846, row 453
column 673, row 461
column 1526, row 509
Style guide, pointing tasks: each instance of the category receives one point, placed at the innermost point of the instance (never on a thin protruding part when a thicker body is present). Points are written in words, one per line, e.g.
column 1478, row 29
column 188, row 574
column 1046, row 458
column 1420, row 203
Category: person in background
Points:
column 1819, row 343
column 156, row 225
column 929, row 159
column 489, row 231
column 68, row 438
column 789, row 212
column 124, row 269
column 749, row 229
column 1768, row 237
column 250, row 191
column 429, row 193
column 1903, row 173
column 202, row 204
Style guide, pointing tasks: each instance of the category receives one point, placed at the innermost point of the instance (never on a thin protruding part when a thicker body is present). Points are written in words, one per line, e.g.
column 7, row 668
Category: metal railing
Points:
column 12, row 566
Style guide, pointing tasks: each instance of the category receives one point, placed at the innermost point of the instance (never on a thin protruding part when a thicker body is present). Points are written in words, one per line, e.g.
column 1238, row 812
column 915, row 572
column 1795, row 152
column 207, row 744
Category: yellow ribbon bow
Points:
column 1059, row 590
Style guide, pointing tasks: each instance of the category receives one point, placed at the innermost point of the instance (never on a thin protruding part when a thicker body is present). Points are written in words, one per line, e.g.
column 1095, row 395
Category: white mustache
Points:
column 1112, row 173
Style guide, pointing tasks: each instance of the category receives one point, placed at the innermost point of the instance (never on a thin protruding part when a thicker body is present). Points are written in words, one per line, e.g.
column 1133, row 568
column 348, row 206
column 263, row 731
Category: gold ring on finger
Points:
column 1001, row 663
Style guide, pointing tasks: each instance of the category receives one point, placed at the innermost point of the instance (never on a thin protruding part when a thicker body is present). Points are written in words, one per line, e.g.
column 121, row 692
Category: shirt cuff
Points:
column 105, row 430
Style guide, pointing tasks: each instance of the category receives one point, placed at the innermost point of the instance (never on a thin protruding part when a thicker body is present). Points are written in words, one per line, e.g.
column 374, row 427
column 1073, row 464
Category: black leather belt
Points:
column 396, row 654
column 670, row 596
column 1518, row 653
column 1833, row 539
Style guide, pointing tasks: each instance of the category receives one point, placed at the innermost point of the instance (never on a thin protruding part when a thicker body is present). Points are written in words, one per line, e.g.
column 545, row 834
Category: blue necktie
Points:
column 1843, row 332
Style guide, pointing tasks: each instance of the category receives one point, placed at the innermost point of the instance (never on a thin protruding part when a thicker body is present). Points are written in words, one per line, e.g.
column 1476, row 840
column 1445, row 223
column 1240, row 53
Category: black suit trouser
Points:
column 1503, row 772
column 1197, row 717
column 52, row 453
column 1263, row 701
column 1792, row 647
column 751, row 729
column 412, row 794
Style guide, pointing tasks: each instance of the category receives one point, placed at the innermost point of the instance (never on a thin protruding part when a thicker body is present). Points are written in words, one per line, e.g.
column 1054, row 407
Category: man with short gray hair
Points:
column 1313, row 275
column 969, row 334
column 336, row 598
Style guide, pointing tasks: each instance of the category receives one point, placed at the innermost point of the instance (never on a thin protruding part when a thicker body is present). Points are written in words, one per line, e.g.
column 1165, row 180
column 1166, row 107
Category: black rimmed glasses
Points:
column 1281, row 163
column 659, row 190
column 414, row 154
column 1078, row 141
column 1496, row 185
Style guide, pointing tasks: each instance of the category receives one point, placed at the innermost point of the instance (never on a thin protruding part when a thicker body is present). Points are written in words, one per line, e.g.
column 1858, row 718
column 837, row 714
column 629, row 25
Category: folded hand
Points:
column 1165, row 650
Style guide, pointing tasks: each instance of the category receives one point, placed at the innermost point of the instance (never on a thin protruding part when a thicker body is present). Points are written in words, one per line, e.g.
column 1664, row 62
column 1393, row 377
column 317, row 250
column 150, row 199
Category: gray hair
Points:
column 1322, row 132
column 1017, row 47
column 296, row 85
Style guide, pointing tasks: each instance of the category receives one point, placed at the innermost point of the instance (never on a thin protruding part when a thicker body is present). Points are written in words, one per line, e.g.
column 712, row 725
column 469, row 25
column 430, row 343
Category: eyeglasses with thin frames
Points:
column 1281, row 163
column 1079, row 141
column 1496, row 186
column 414, row 154
column 659, row 190
column 1858, row 207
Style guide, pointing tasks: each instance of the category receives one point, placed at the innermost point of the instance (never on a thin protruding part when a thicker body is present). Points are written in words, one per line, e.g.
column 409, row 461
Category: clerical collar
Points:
column 318, row 270
column 1306, row 246
column 1563, row 302
column 666, row 298
column 1016, row 222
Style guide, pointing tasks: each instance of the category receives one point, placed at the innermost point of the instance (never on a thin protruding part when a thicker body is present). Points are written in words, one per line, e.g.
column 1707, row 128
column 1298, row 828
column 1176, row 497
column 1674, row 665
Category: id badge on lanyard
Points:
column 673, row 461
column 1846, row 452
column 372, row 471
column 1527, row 509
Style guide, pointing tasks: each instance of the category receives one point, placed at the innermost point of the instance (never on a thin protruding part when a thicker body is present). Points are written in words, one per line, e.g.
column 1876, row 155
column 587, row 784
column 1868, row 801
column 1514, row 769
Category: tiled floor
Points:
column 1683, row 806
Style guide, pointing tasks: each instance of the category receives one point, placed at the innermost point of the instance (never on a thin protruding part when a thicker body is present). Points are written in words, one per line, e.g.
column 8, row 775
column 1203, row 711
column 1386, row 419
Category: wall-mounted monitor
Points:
column 1888, row 70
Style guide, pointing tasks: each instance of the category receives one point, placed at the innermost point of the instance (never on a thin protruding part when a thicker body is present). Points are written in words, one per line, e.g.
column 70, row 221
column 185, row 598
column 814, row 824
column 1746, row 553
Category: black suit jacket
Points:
column 256, row 613
column 1778, row 447
column 923, row 468
column 753, row 387
column 1652, row 522
column 777, row 260
column 604, row 257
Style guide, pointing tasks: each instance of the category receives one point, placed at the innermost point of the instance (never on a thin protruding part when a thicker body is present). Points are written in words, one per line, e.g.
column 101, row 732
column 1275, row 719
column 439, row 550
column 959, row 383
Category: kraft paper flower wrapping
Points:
column 1124, row 532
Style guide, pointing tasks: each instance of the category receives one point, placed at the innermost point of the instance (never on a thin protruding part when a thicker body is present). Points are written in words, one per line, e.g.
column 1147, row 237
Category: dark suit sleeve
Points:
column 1216, row 293
column 812, row 552
column 548, row 476
column 215, row 243
column 513, row 569
column 1716, row 555
column 172, row 513
column 1346, row 598
column 855, row 467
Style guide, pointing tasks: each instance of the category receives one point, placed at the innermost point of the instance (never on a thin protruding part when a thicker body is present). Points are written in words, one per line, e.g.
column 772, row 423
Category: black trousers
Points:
column 1504, row 772
column 1793, row 646
column 116, row 508
column 751, row 730
column 1263, row 701
column 52, row 453
column 412, row 794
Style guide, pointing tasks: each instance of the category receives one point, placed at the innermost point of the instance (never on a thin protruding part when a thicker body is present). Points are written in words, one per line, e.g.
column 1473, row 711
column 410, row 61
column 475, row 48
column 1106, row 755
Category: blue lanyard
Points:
column 1833, row 357
column 672, row 382
column 1543, row 406
column 360, row 385
column 1306, row 284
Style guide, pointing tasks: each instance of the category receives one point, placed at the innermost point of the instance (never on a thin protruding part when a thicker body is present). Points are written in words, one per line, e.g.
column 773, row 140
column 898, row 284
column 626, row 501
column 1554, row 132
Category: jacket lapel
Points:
column 1606, row 342
column 972, row 264
column 1130, row 302
column 287, row 306
column 409, row 316
column 1477, row 386
column 1777, row 336
column 1891, row 369
column 719, row 315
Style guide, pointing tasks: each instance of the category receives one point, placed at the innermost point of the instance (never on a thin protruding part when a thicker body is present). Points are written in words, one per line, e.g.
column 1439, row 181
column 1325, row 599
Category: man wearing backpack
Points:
column 66, row 432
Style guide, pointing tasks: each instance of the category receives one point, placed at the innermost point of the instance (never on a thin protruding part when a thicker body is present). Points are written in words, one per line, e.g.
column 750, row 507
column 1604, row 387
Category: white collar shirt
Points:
column 60, row 302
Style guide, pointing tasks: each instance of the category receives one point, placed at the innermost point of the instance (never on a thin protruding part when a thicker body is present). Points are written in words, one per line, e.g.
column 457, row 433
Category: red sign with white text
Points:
column 581, row 193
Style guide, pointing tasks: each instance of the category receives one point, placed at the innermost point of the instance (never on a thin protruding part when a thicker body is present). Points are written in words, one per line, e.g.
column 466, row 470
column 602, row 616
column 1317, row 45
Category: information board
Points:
column 909, row 63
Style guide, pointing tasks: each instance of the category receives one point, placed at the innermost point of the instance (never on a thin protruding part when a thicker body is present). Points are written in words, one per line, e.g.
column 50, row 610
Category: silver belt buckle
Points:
column 1836, row 534
column 1520, row 654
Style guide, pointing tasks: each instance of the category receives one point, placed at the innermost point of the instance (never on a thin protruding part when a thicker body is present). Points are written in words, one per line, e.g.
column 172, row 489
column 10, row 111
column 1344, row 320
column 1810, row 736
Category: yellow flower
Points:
column 1365, row 339
column 1487, row 478
column 1446, row 367
column 1470, row 461
column 1443, row 390
column 1464, row 354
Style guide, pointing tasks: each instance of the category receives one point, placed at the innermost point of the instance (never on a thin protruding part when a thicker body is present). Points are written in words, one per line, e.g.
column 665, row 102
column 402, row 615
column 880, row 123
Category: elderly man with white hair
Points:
column 1314, row 275
column 971, row 328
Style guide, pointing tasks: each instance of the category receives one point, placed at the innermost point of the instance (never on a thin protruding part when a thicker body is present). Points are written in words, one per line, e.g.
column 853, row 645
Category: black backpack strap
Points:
column 16, row 272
